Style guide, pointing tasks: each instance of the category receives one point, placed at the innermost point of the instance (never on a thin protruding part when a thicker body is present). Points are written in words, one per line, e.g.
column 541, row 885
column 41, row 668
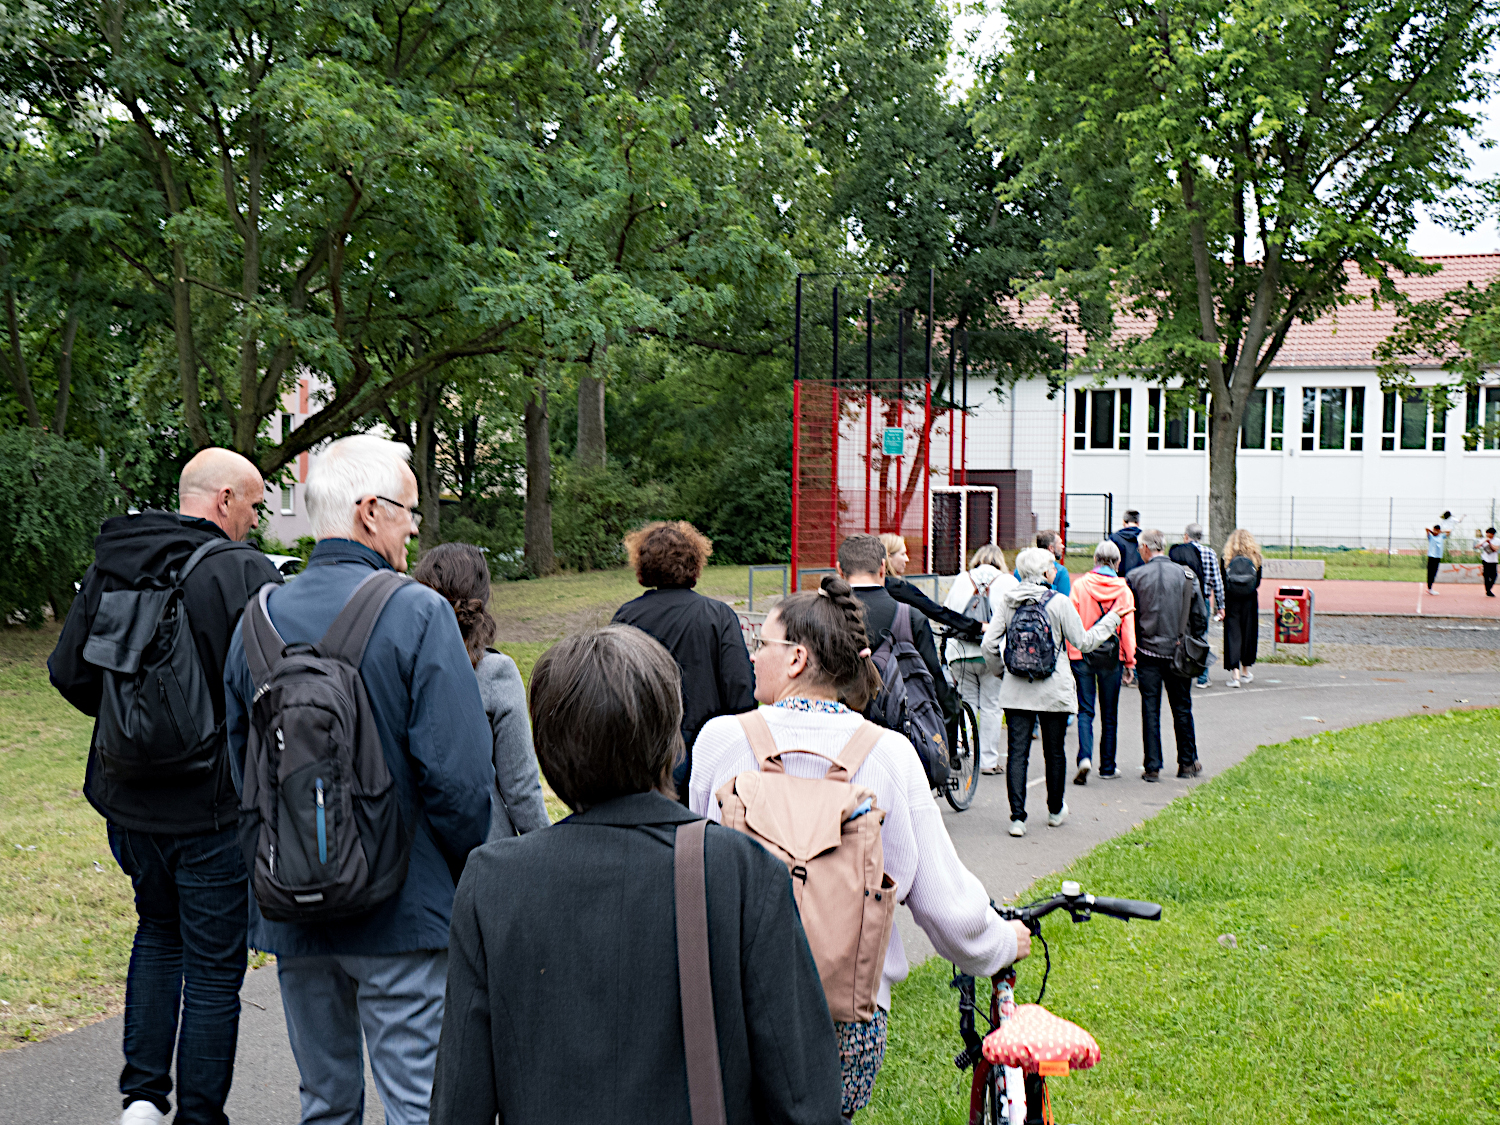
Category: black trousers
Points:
column 1054, row 726
column 1489, row 576
column 1432, row 565
column 1241, row 632
column 1153, row 674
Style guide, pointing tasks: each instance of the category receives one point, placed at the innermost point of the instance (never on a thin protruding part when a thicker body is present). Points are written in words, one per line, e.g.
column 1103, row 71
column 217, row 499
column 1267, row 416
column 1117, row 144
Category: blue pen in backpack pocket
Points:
column 322, row 826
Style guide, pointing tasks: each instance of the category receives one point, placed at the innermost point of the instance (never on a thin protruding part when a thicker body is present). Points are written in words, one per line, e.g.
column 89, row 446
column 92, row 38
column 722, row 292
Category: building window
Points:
column 1403, row 422
column 286, row 426
column 1482, row 418
column 1267, row 405
column 1176, row 419
column 1101, row 419
column 287, row 495
column 1333, row 418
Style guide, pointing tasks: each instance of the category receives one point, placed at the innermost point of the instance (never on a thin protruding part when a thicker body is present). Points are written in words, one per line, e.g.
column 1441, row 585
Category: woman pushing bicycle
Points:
column 801, row 774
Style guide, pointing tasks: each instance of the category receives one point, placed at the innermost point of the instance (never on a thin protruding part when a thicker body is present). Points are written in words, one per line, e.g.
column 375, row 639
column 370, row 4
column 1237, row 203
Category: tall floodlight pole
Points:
column 796, row 428
column 833, row 460
column 869, row 400
column 927, row 426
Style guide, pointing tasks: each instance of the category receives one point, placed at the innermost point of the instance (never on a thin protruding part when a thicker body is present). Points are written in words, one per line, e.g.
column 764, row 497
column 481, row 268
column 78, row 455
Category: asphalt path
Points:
column 70, row 1079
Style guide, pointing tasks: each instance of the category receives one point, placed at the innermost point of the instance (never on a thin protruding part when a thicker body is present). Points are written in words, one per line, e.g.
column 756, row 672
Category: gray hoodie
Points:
column 1056, row 692
column 516, row 805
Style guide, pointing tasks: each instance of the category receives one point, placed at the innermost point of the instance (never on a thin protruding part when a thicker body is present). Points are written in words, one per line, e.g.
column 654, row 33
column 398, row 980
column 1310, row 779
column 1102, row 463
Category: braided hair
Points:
column 830, row 624
column 458, row 572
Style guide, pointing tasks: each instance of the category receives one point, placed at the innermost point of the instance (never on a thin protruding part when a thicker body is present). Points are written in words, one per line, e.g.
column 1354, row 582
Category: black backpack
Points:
column 156, row 713
column 321, row 823
column 1105, row 658
column 978, row 605
column 1030, row 651
column 907, row 701
column 1240, row 579
column 1185, row 554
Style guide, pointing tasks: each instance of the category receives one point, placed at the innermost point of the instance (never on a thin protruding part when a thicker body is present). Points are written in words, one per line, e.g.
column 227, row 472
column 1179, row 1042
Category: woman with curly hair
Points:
column 702, row 634
column 458, row 572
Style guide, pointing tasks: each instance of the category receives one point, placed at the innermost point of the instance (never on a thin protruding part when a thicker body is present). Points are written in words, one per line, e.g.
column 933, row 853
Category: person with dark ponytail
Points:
column 459, row 573
column 813, row 678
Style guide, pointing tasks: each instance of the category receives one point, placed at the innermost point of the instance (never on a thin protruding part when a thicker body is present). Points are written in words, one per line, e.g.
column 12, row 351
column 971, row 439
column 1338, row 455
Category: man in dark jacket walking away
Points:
column 1161, row 587
column 1126, row 539
column 377, row 977
column 172, row 827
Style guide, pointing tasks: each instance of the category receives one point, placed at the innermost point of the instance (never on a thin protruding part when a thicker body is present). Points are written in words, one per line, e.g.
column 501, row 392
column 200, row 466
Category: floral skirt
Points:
column 861, row 1051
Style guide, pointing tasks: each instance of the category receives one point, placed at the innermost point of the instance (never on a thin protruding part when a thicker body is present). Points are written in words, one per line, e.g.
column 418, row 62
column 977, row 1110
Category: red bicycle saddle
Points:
column 1037, row 1041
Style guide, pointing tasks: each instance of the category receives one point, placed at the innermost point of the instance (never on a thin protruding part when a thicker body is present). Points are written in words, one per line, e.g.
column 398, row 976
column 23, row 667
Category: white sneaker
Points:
column 1248, row 676
column 142, row 1113
column 1056, row 818
column 1018, row 828
column 1432, row 593
column 1234, row 683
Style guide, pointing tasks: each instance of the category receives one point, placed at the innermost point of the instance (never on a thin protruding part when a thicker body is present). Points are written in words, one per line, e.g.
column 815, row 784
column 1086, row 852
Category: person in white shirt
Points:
column 979, row 687
column 812, row 658
column 1489, row 560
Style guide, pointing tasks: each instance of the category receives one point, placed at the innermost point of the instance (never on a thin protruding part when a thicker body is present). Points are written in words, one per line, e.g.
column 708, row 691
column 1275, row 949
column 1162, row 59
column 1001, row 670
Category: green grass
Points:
column 548, row 608
column 66, row 915
column 1357, row 872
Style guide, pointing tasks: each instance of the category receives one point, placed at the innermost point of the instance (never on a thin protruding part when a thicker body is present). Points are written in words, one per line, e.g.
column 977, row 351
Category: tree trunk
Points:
column 467, row 455
column 187, row 356
column 1223, row 473
column 540, row 558
column 590, row 454
column 424, row 465
column 18, row 377
column 65, row 369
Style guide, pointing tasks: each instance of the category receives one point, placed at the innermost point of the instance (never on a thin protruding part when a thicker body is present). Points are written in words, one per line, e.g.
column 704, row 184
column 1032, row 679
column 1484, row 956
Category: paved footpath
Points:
column 70, row 1079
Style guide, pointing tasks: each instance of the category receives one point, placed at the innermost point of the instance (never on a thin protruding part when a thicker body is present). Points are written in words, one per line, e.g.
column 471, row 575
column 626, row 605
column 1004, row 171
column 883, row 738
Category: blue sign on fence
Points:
column 893, row 441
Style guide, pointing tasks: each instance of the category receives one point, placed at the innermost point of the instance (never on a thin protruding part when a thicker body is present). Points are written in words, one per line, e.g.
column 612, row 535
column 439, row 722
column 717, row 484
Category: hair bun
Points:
column 835, row 587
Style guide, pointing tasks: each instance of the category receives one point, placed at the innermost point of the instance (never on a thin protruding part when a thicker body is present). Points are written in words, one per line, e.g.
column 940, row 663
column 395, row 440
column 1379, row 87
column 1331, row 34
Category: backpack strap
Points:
column 901, row 625
column 758, row 733
column 212, row 547
column 263, row 644
column 350, row 632
column 855, row 751
column 700, row 1035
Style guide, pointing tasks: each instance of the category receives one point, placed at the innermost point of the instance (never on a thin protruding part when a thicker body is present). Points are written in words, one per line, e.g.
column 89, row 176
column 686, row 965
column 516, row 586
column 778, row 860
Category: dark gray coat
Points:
column 1157, row 586
column 563, row 1001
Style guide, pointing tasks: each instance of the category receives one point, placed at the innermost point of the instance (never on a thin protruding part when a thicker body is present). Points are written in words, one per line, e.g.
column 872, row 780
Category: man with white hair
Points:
column 378, row 977
column 1162, row 588
column 172, row 812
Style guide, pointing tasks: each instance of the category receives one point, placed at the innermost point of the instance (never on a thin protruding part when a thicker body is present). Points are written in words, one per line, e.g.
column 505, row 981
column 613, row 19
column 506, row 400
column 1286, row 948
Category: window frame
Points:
column 1273, row 420
column 1160, row 411
column 1086, row 401
column 1319, row 405
column 1393, row 422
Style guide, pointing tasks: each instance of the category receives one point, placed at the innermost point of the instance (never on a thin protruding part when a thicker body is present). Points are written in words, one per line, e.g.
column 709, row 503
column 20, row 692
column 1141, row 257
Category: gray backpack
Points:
column 907, row 701
column 321, row 823
column 156, row 713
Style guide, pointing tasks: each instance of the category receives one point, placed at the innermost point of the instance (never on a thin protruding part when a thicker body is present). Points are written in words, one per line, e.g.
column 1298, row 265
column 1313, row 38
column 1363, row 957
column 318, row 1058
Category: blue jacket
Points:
column 433, row 729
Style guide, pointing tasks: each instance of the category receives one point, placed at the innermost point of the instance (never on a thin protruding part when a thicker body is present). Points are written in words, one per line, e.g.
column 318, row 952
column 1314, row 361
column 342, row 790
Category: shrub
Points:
column 592, row 511
column 747, row 506
column 53, row 496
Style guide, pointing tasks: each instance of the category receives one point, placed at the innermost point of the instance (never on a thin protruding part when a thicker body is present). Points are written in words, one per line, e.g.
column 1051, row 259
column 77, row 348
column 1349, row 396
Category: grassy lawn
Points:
column 66, row 914
column 1355, row 870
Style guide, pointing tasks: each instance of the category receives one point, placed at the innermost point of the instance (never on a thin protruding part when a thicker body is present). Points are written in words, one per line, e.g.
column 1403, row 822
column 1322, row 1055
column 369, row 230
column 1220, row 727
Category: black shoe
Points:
column 1151, row 775
column 1108, row 775
column 1190, row 771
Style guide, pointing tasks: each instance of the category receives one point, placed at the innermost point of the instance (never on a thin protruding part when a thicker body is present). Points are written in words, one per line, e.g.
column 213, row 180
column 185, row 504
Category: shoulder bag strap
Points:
column 350, row 632
column 758, row 733
column 700, row 1037
column 1187, row 605
column 855, row 751
column 263, row 644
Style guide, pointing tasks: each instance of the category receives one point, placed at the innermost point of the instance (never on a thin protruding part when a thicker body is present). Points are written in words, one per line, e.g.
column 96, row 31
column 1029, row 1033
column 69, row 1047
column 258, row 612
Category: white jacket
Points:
column 1057, row 692
column 963, row 588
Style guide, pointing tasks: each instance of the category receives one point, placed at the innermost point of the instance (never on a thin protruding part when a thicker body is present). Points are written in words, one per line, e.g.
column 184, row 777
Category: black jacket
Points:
column 1157, row 586
column 703, row 635
column 880, row 615
column 149, row 546
column 563, row 1002
column 1130, row 553
column 904, row 591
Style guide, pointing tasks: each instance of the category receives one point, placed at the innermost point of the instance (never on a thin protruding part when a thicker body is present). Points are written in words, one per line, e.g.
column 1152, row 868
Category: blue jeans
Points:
column 394, row 1001
column 1098, row 693
column 188, row 956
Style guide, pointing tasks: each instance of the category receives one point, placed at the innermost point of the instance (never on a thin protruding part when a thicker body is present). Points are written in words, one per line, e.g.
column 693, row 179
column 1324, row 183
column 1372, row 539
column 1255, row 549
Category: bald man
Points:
column 172, row 825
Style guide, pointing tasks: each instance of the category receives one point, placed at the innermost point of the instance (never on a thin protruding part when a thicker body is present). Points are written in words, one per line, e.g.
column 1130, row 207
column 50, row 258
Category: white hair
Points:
column 345, row 473
column 1106, row 554
column 1035, row 564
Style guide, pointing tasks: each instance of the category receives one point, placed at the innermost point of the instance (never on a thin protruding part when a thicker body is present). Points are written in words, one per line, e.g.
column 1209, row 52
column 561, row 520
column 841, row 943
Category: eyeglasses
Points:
column 761, row 642
column 416, row 516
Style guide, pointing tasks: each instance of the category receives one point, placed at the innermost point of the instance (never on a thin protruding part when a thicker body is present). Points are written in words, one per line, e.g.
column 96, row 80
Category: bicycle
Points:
column 1006, row 1095
column 963, row 763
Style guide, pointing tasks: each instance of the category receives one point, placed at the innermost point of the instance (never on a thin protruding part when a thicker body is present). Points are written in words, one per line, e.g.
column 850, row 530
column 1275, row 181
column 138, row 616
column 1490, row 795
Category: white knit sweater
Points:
column 948, row 902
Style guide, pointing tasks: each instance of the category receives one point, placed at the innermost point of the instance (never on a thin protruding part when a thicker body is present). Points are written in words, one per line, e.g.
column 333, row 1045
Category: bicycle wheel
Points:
column 963, row 778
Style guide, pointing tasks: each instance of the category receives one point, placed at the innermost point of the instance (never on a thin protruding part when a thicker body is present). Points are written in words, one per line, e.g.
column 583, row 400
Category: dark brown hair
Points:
column 861, row 554
column 458, row 572
column 606, row 715
column 668, row 554
column 830, row 624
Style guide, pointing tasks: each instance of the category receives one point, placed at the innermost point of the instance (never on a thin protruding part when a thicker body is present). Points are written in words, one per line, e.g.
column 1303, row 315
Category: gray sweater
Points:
column 516, row 805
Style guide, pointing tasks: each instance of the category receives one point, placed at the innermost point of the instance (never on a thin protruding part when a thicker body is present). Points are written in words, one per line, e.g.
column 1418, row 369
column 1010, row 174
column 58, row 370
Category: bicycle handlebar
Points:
column 1081, row 907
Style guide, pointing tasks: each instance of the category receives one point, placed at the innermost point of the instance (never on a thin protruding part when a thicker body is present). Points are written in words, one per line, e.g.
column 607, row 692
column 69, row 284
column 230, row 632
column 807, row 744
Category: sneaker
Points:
column 1151, row 775
column 1200, row 683
column 1248, row 676
column 1489, row 593
column 992, row 771
column 1018, row 828
column 142, row 1113
column 1432, row 592
column 1108, row 775
column 1082, row 776
column 1190, row 770
column 1055, row 819
column 1233, row 683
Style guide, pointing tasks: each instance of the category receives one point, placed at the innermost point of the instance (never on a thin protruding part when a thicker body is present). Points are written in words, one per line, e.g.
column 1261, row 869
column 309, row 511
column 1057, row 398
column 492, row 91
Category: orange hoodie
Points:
column 1094, row 595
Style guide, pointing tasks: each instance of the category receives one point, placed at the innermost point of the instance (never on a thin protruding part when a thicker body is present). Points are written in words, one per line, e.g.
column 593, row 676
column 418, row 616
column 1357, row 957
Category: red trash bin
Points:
column 1293, row 612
